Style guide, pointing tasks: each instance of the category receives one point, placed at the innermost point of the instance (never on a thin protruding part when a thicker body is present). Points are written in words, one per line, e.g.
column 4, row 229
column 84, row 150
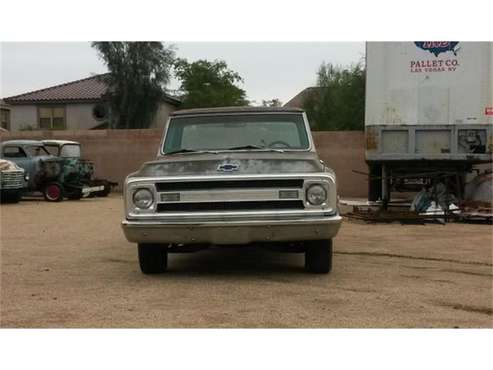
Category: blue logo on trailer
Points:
column 438, row 47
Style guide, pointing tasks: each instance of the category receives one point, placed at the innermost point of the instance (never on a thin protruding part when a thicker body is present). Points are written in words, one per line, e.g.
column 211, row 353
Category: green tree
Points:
column 208, row 84
column 139, row 72
column 272, row 103
column 338, row 101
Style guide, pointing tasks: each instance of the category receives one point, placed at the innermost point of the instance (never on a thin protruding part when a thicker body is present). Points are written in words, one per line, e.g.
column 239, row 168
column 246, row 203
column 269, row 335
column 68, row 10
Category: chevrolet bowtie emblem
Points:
column 228, row 167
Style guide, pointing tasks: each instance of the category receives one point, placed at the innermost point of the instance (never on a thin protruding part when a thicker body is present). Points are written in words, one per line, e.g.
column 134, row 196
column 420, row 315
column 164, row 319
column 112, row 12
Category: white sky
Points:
column 269, row 69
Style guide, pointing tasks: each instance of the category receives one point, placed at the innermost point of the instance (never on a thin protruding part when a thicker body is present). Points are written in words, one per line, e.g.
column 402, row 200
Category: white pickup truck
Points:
column 226, row 176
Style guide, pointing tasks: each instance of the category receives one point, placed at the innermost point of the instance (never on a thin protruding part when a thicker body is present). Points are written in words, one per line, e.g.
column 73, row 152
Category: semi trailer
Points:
column 428, row 114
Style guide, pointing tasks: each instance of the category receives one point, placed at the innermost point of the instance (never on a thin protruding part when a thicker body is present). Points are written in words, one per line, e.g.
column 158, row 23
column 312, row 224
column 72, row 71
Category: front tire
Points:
column 153, row 258
column 53, row 192
column 10, row 196
column 318, row 256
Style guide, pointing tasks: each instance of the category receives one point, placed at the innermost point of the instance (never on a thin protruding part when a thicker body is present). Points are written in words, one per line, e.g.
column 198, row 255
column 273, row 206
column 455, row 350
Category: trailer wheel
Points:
column 153, row 258
column 318, row 256
column 53, row 192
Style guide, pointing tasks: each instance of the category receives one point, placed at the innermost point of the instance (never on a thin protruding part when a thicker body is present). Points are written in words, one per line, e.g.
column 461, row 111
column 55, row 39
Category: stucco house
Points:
column 75, row 105
column 4, row 115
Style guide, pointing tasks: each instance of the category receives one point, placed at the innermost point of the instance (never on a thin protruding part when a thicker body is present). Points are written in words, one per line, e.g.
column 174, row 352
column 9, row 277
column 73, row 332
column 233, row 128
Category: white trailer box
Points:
column 429, row 101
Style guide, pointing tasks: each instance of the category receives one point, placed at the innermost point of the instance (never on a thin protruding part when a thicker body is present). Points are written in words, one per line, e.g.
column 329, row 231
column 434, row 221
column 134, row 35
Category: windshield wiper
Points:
column 256, row 147
column 185, row 150
column 181, row 151
column 246, row 147
column 243, row 147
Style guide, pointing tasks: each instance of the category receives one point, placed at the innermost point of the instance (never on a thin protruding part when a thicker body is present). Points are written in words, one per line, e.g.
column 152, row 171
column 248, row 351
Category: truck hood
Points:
column 9, row 166
column 243, row 162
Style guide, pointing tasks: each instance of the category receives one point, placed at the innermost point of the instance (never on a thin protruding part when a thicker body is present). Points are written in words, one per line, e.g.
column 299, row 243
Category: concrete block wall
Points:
column 344, row 151
column 116, row 153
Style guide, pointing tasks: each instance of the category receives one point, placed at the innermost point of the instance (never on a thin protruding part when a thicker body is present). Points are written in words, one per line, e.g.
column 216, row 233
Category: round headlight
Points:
column 316, row 195
column 143, row 198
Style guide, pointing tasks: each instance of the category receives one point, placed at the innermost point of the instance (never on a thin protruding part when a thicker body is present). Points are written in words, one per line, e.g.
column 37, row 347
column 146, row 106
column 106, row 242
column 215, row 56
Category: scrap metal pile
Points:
column 435, row 203
column 371, row 213
column 478, row 203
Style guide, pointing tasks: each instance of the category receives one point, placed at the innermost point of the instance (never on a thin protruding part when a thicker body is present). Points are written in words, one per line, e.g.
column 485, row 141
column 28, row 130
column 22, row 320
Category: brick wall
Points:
column 116, row 153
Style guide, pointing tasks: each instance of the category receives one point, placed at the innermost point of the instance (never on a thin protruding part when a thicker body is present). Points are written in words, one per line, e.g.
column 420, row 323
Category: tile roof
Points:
column 298, row 100
column 85, row 90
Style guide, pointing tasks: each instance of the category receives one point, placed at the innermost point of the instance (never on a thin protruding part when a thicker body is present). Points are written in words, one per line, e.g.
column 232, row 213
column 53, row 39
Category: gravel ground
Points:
column 68, row 265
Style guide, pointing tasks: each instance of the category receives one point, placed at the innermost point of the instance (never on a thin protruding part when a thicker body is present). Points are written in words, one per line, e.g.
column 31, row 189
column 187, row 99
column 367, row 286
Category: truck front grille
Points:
column 230, row 206
column 229, row 184
column 230, row 195
column 11, row 179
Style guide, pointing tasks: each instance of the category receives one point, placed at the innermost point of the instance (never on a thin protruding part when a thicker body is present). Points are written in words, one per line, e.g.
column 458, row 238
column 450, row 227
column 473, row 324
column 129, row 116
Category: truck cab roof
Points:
column 21, row 142
column 60, row 142
column 234, row 110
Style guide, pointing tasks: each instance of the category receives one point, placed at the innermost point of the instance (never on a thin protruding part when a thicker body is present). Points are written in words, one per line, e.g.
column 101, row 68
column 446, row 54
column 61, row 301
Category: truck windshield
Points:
column 36, row 151
column 236, row 132
column 70, row 151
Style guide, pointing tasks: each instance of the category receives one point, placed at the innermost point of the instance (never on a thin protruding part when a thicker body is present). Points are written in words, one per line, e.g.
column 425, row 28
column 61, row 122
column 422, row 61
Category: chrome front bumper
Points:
column 231, row 232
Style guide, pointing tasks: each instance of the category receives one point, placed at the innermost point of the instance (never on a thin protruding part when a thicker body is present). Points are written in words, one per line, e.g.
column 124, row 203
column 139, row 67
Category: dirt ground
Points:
column 68, row 265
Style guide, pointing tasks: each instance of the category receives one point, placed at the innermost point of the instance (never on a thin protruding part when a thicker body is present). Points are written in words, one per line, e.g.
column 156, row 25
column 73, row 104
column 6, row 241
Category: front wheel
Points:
column 53, row 192
column 153, row 258
column 318, row 256
column 10, row 196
